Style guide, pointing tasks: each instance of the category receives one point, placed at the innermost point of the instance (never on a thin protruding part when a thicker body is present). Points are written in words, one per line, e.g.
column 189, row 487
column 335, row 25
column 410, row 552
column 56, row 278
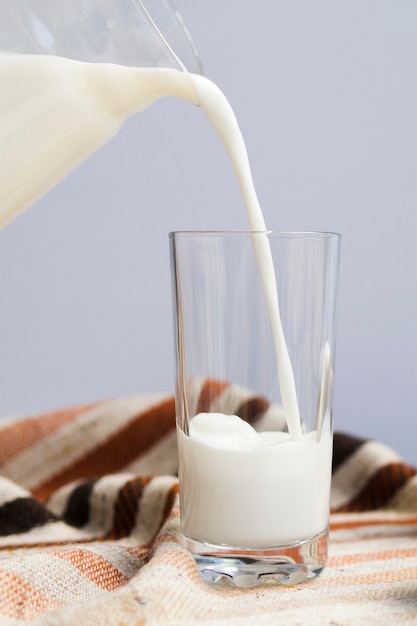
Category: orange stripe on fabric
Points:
column 95, row 567
column 11, row 547
column 170, row 500
column 18, row 437
column 374, row 578
column 140, row 552
column 359, row 523
column 142, row 432
column 169, row 554
column 18, row 599
column 383, row 555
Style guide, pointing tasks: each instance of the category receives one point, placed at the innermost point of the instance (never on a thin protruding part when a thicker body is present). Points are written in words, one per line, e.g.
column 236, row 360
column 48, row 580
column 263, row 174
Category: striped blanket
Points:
column 89, row 524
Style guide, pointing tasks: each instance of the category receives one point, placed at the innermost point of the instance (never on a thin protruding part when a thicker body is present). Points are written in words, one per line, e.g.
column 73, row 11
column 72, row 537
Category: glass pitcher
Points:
column 70, row 75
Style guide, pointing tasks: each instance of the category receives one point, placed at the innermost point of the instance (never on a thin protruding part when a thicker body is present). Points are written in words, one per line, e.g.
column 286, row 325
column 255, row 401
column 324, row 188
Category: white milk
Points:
column 243, row 488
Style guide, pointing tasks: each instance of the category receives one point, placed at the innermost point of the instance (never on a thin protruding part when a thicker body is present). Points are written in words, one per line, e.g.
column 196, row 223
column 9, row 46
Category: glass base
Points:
column 286, row 565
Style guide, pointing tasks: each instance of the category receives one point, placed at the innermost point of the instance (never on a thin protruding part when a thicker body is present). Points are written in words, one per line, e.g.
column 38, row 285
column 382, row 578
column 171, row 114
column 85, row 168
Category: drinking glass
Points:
column 255, row 481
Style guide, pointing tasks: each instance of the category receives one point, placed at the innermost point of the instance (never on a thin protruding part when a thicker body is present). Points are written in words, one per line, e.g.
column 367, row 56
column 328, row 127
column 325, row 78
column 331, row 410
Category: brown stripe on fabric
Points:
column 126, row 507
column 343, row 447
column 142, row 432
column 77, row 510
column 210, row 390
column 23, row 514
column 24, row 434
column 380, row 488
column 252, row 409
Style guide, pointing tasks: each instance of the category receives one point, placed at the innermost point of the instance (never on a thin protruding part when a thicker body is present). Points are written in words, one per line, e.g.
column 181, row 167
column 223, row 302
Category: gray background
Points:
column 326, row 96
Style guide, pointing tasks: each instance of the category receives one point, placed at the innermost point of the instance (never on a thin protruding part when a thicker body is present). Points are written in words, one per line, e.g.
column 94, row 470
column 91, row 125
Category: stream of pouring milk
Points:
column 55, row 113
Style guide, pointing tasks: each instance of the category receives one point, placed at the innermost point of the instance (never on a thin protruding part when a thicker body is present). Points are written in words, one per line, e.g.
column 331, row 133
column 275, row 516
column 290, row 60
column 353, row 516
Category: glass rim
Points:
column 247, row 232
